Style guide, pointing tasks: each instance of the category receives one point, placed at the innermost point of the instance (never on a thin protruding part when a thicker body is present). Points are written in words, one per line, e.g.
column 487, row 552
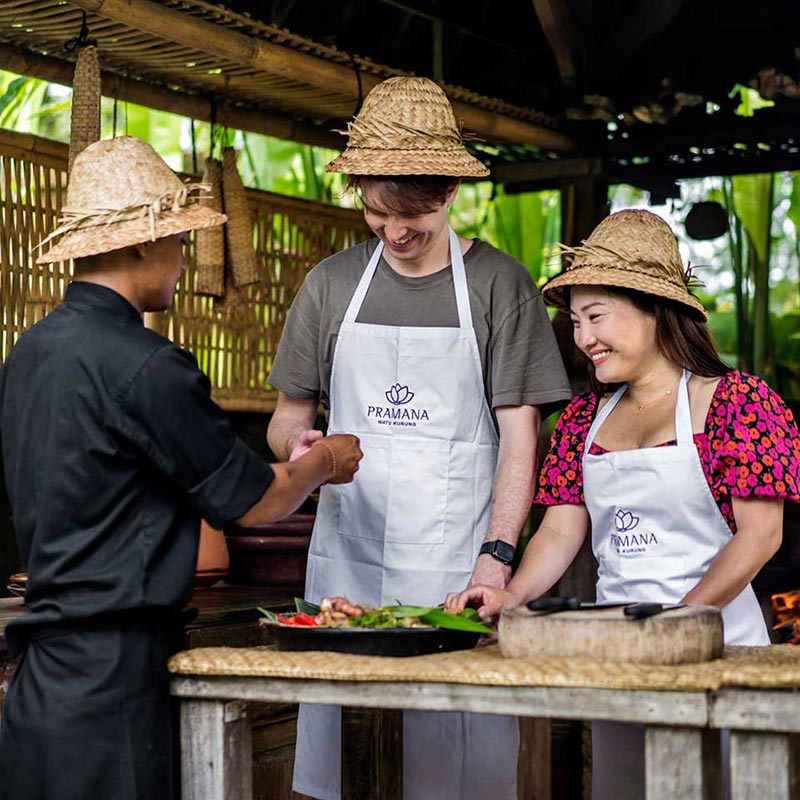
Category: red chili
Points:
column 301, row 618
column 287, row 619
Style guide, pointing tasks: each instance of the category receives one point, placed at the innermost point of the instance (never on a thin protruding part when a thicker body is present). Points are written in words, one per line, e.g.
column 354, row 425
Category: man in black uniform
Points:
column 113, row 451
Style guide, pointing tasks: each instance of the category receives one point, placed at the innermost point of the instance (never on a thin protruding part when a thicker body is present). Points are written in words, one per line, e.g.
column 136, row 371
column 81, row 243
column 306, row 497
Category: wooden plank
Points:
column 667, row 708
column 751, row 709
column 556, row 21
column 216, row 751
column 274, row 59
column 26, row 62
column 372, row 754
column 682, row 763
column 764, row 766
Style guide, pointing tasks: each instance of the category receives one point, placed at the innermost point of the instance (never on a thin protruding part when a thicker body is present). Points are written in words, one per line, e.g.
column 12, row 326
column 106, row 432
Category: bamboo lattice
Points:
column 234, row 343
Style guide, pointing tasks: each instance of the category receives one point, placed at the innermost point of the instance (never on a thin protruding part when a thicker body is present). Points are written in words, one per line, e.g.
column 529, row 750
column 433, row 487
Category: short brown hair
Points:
column 406, row 195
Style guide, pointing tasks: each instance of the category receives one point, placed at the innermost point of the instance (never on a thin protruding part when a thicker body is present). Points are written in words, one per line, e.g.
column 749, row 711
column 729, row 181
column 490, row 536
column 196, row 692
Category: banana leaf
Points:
column 270, row 615
column 455, row 622
column 305, row 607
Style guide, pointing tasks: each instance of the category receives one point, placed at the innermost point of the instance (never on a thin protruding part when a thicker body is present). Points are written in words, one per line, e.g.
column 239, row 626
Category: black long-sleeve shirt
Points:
column 113, row 450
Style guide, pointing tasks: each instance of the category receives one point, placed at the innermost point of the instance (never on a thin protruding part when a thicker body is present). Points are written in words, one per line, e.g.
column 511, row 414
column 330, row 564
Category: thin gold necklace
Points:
column 641, row 406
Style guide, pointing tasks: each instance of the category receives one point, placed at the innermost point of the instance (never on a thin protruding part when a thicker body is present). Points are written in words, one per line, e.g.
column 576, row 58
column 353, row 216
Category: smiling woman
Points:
column 684, row 502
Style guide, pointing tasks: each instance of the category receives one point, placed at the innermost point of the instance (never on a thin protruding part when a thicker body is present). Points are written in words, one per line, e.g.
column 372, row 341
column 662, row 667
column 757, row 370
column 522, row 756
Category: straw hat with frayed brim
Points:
column 631, row 249
column 406, row 127
column 121, row 193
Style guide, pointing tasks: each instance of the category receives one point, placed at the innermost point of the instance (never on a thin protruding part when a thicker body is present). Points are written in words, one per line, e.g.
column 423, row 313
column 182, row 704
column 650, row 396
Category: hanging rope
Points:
column 357, row 70
column 82, row 39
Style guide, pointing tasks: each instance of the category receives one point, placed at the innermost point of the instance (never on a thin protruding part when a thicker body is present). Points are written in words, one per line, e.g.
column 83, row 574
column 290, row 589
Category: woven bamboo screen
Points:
column 234, row 341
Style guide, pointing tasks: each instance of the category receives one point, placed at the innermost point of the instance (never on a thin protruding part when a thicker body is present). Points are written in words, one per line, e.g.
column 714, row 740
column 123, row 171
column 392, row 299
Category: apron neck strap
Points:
column 459, row 282
column 683, row 414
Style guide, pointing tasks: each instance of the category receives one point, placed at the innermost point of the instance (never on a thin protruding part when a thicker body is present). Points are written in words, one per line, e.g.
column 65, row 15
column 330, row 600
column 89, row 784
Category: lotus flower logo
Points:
column 625, row 521
column 399, row 395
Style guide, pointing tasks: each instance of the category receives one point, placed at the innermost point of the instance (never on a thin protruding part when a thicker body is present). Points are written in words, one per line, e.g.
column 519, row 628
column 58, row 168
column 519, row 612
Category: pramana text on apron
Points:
column 409, row 528
column 652, row 550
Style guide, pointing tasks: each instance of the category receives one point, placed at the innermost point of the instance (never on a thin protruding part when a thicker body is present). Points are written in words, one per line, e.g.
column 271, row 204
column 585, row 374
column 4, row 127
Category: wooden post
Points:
column 216, row 750
column 372, row 754
column 764, row 766
column 534, row 778
column 682, row 762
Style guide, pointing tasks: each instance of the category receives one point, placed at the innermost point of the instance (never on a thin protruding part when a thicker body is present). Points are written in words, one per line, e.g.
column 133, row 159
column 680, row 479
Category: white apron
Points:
column 409, row 528
column 656, row 528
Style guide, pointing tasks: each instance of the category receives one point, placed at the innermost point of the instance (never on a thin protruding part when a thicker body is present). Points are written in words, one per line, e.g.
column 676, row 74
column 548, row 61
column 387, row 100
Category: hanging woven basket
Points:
column 85, row 115
column 239, row 228
column 211, row 241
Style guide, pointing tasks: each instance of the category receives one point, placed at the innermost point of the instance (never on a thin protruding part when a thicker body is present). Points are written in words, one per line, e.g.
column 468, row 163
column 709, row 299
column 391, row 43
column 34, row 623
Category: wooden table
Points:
column 682, row 738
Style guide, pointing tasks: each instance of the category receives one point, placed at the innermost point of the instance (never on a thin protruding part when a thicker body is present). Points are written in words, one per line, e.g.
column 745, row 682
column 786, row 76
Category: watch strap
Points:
column 502, row 551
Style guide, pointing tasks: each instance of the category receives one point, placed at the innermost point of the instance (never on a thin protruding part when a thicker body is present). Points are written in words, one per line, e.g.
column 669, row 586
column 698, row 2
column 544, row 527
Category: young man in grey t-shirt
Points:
column 438, row 352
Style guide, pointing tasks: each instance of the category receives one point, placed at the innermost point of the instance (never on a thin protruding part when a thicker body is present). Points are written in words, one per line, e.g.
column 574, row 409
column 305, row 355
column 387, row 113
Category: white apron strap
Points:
column 601, row 417
column 459, row 282
column 683, row 414
column 363, row 285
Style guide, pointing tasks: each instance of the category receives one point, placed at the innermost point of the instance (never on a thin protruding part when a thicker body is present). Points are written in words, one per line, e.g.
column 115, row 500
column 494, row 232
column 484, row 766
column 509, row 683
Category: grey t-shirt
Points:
column 520, row 358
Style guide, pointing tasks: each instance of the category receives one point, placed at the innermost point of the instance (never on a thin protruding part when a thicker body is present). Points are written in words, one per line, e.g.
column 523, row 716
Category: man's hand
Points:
column 490, row 572
column 489, row 600
column 345, row 453
column 303, row 445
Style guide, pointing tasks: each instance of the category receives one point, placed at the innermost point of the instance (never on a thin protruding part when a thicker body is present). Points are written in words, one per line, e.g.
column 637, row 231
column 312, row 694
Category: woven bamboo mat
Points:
column 776, row 667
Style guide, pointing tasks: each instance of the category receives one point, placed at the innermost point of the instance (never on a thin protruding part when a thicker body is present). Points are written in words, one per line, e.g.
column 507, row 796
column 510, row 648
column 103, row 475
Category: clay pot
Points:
column 212, row 556
column 271, row 555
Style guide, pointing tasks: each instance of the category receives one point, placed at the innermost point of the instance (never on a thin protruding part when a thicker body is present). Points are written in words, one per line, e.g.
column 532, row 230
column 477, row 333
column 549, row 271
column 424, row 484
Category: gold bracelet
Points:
column 333, row 456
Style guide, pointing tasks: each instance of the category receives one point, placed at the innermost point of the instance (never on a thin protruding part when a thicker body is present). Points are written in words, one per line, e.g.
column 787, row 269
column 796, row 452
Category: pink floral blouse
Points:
column 750, row 447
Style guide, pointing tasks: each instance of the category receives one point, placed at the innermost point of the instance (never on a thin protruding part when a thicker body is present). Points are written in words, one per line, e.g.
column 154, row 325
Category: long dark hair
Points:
column 682, row 336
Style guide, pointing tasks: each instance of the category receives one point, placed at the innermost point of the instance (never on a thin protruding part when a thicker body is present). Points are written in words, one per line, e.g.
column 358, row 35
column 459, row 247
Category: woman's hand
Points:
column 489, row 600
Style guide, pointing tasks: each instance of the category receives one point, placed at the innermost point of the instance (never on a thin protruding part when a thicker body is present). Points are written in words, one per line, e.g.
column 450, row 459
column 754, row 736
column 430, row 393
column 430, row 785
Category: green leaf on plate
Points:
column 409, row 611
column 305, row 607
column 270, row 615
column 455, row 622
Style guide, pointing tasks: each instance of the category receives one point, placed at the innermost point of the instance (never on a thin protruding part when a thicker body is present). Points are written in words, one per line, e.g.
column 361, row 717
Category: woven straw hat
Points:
column 632, row 249
column 121, row 193
column 406, row 127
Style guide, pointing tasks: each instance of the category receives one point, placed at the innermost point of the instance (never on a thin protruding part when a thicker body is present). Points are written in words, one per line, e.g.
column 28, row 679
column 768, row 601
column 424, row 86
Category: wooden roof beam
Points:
column 556, row 22
column 26, row 62
column 248, row 51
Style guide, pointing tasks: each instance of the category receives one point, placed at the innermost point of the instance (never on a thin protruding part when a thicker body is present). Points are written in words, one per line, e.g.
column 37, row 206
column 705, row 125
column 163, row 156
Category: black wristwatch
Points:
column 502, row 551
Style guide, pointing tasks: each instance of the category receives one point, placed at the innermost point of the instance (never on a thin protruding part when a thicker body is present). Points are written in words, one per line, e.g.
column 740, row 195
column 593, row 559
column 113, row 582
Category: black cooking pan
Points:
column 372, row 641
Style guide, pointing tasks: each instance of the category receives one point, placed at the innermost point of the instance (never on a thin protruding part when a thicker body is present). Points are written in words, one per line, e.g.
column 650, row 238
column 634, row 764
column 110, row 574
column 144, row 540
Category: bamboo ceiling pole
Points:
column 166, row 23
column 26, row 62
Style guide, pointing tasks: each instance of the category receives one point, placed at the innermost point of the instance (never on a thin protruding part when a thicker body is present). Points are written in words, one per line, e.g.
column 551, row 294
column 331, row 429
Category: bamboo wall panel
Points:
column 234, row 339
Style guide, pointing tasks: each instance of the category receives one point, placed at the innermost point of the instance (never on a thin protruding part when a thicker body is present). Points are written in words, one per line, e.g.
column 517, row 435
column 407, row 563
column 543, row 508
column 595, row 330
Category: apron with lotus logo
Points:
column 409, row 528
column 656, row 528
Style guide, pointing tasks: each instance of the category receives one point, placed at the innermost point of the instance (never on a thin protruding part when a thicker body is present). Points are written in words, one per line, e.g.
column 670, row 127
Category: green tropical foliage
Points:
column 752, row 275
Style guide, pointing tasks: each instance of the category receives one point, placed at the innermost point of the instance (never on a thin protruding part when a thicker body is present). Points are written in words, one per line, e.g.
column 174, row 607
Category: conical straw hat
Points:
column 406, row 127
column 121, row 193
column 633, row 249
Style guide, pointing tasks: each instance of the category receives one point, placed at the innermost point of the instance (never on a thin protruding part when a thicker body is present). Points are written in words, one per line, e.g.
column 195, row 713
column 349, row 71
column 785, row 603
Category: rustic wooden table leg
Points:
column 682, row 763
column 216, row 750
column 372, row 754
column 764, row 766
